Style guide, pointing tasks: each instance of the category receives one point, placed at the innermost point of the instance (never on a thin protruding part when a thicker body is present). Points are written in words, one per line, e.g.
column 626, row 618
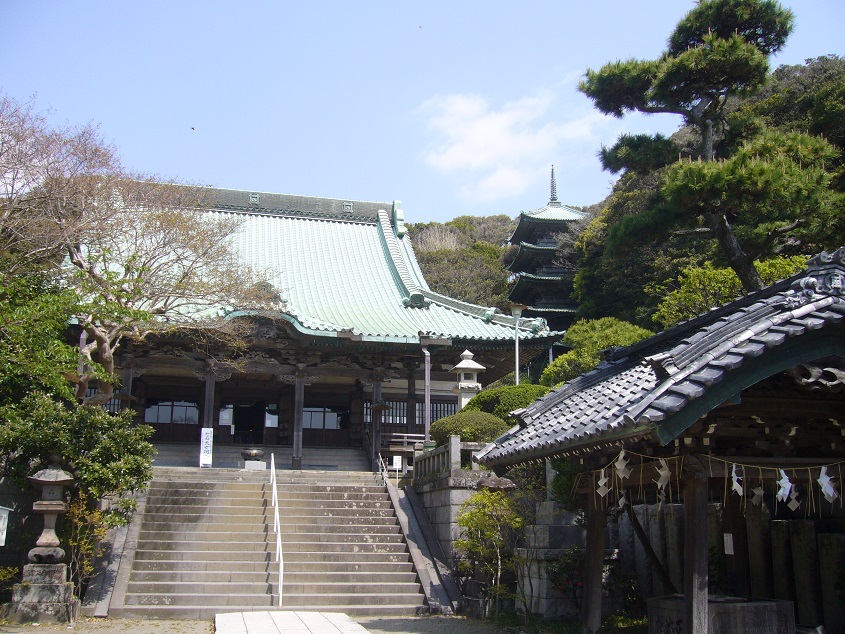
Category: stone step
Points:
column 202, row 555
column 162, row 485
column 200, row 511
column 194, row 546
column 369, row 565
column 203, row 545
column 204, row 612
column 255, row 521
column 320, row 601
column 268, row 587
column 224, row 506
column 225, row 601
column 304, row 486
column 373, row 526
column 290, row 555
column 245, row 498
column 222, row 600
column 343, row 547
column 259, row 523
column 169, row 588
column 319, row 539
column 292, row 577
column 284, row 478
column 191, row 539
column 205, row 524
column 293, row 558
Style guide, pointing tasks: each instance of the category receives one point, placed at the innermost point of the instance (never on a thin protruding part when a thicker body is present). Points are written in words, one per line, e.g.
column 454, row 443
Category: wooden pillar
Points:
column 298, row 406
column 695, row 555
column 208, row 400
column 411, row 407
column 593, row 562
column 736, row 561
column 375, row 415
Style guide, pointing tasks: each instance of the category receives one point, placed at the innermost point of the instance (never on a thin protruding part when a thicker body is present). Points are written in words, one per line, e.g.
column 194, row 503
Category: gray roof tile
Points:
column 640, row 387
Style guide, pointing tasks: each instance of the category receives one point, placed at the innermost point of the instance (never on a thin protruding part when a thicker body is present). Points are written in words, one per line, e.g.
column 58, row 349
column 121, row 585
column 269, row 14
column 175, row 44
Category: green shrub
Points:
column 501, row 401
column 587, row 339
column 470, row 426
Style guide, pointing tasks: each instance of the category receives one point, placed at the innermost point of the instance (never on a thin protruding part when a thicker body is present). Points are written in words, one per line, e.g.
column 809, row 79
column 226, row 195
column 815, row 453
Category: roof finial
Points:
column 553, row 199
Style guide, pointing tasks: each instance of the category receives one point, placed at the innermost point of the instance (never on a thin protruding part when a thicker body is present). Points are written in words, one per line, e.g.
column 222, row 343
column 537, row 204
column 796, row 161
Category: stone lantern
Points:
column 45, row 595
column 467, row 385
column 52, row 482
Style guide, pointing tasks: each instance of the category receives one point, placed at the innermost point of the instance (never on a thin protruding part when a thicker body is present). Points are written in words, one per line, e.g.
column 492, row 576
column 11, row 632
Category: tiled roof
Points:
column 553, row 212
column 659, row 386
column 348, row 266
column 542, row 221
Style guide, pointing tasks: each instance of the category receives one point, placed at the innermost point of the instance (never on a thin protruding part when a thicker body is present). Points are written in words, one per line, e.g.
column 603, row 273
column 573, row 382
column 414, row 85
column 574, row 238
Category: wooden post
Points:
column 695, row 555
column 298, row 405
column 208, row 401
column 593, row 562
column 736, row 562
column 375, row 415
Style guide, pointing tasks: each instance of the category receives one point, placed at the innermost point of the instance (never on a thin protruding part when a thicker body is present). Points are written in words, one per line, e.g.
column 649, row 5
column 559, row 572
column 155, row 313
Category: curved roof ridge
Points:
column 412, row 292
column 407, row 247
column 490, row 314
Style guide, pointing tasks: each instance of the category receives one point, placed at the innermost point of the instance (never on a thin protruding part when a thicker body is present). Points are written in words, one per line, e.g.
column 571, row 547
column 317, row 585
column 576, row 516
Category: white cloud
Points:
column 498, row 185
column 499, row 153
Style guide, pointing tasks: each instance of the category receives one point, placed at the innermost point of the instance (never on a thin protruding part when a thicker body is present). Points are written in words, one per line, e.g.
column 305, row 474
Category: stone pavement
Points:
column 280, row 622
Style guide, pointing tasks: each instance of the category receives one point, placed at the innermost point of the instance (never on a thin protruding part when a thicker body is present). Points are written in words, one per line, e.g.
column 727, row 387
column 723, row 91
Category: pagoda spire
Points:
column 553, row 199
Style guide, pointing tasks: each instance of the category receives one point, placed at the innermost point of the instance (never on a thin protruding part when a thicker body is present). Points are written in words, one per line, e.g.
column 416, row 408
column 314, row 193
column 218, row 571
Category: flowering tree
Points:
column 140, row 255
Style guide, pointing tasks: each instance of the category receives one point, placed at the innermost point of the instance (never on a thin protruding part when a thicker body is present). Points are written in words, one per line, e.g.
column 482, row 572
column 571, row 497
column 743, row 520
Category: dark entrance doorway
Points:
column 248, row 419
column 325, row 427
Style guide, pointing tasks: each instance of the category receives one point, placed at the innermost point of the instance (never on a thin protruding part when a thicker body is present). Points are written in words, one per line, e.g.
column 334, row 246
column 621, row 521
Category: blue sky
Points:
column 453, row 107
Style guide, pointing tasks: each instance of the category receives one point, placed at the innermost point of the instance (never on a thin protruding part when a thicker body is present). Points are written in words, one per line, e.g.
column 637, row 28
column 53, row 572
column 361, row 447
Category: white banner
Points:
column 4, row 524
column 206, row 442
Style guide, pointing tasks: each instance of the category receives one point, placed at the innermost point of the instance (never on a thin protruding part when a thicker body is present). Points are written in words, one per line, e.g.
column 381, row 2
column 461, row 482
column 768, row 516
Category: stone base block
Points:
column 726, row 616
column 45, row 596
column 42, row 593
column 252, row 465
column 40, row 612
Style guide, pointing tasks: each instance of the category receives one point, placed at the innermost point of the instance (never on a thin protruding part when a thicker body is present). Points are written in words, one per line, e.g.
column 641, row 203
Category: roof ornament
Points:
column 825, row 276
column 398, row 218
column 553, row 198
column 416, row 300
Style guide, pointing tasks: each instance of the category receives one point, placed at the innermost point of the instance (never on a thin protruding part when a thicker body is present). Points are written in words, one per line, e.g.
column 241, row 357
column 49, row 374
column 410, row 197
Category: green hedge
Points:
column 470, row 426
column 501, row 401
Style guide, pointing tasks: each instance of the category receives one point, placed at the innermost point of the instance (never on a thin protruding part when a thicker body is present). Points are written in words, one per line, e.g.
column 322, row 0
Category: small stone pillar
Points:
column 45, row 595
column 467, row 385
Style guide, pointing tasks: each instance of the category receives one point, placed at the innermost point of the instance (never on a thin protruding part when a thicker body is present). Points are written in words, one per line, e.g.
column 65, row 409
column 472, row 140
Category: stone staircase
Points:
column 204, row 544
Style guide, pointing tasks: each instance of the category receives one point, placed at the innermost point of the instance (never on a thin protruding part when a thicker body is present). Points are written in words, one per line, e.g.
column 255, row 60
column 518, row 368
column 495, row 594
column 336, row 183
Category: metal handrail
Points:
column 277, row 525
column 383, row 472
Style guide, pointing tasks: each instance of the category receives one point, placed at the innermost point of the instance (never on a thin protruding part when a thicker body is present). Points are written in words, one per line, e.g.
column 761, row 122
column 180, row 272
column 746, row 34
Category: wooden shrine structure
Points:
column 743, row 406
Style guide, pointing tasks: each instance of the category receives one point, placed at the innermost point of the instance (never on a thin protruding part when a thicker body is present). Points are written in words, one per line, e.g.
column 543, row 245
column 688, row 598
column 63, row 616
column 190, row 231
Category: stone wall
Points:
column 547, row 540
column 442, row 497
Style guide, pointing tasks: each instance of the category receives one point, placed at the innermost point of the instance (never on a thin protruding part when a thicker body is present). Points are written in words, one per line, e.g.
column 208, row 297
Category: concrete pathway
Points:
column 280, row 622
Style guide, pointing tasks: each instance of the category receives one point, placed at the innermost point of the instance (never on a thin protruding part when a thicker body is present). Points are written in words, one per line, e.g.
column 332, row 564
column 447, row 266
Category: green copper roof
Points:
column 540, row 222
column 346, row 266
column 554, row 211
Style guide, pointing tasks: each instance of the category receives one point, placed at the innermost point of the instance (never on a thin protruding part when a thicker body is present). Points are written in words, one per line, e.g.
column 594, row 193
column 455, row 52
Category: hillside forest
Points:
column 650, row 253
